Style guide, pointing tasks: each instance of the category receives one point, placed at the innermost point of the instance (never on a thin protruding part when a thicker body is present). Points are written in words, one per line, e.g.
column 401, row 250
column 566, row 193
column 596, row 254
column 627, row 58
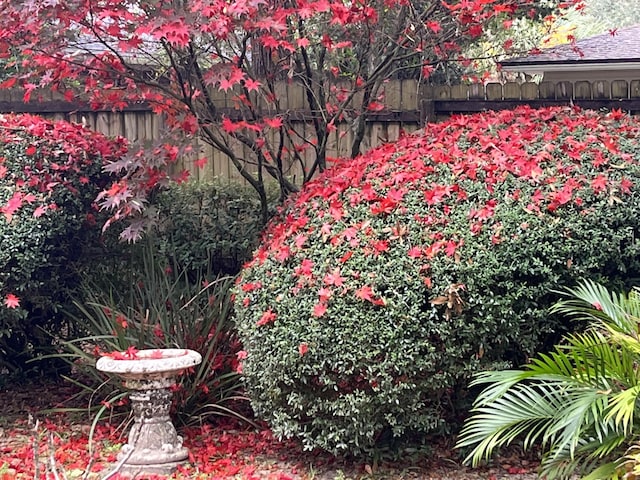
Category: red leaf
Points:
column 375, row 107
column 11, row 301
column 599, row 184
column 39, row 211
column 334, row 278
column 252, row 85
column 273, row 122
column 229, row 126
column 156, row 354
column 234, row 78
column 319, row 309
column 201, row 162
column 267, row 317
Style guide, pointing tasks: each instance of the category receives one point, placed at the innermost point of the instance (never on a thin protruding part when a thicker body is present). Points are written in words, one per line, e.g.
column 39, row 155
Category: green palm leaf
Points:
column 578, row 402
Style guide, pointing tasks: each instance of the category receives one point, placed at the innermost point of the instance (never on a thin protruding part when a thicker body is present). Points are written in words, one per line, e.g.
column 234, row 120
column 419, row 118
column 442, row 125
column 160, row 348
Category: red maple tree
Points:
column 177, row 56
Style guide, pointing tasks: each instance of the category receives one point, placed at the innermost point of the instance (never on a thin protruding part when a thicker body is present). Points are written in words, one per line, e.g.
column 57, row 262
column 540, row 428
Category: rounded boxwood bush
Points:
column 385, row 283
column 50, row 175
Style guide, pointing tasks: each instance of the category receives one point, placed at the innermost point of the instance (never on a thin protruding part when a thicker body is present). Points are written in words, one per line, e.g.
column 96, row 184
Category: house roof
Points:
column 621, row 46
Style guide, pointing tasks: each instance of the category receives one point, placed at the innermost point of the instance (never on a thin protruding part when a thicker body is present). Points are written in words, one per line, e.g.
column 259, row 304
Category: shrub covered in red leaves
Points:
column 50, row 175
column 385, row 283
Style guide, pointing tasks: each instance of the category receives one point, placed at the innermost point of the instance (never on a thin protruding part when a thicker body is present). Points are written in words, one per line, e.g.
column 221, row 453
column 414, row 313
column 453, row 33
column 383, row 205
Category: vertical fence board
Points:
column 547, row 91
column 619, row 89
column 511, row 91
column 441, row 92
column 393, row 96
column 601, row 89
column 494, row 91
column 476, row 91
column 582, row 90
column 564, row 90
column 460, row 92
column 409, row 95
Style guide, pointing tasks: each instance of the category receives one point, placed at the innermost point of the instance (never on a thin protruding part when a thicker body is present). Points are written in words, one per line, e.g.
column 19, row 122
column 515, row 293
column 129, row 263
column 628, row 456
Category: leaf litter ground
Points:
column 31, row 440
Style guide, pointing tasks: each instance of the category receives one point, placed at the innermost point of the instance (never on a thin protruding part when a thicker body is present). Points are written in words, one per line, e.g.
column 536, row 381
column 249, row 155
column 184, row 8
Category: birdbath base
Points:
column 153, row 446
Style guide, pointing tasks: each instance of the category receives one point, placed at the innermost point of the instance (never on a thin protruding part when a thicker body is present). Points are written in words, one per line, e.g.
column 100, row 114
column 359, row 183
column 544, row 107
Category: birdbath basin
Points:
column 153, row 445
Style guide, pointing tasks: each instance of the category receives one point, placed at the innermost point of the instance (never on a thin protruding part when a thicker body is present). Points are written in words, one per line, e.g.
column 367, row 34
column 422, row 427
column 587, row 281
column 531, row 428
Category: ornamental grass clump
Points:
column 384, row 284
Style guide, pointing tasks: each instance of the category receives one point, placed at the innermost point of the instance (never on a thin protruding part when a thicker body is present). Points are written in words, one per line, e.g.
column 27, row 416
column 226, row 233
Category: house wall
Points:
column 591, row 75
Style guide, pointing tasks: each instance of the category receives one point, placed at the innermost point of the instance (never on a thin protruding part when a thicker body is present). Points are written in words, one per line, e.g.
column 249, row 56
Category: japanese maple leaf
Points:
column 300, row 240
column 563, row 196
column 434, row 26
column 284, row 252
column 319, row 309
column 380, row 246
column 384, row 206
column 346, row 257
column 229, row 126
column 251, row 286
column 334, row 278
column 11, row 301
column 176, row 32
column 375, row 107
column 251, row 84
column 599, row 184
column 336, row 211
column 39, row 211
column 304, row 269
column 235, row 77
column 267, row 317
column 273, row 122
column 625, row 185
column 131, row 353
column 450, row 248
column 12, row 206
column 366, row 293
column 324, row 294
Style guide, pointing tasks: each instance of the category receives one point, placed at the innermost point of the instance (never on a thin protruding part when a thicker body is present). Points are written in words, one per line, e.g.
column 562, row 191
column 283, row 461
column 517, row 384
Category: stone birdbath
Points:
column 153, row 445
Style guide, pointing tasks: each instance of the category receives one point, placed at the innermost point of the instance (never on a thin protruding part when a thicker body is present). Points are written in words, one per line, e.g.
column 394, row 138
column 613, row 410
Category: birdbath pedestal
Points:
column 153, row 445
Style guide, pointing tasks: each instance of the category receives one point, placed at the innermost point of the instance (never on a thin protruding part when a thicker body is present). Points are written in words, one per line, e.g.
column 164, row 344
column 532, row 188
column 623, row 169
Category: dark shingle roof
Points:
column 619, row 46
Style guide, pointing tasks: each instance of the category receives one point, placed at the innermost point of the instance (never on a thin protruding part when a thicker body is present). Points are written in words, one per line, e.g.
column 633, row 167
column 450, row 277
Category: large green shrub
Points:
column 50, row 174
column 389, row 280
column 208, row 226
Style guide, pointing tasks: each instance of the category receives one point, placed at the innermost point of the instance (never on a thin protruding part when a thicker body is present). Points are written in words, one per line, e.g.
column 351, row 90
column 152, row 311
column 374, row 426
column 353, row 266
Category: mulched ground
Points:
column 228, row 451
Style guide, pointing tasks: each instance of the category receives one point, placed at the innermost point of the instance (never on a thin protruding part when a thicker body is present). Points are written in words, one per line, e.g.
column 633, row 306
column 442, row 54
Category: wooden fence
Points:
column 442, row 101
column 408, row 107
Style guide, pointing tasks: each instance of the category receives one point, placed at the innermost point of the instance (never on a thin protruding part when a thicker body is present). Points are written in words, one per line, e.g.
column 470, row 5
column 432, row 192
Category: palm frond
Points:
column 594, row 302
column 522, row 410
column 623, row 407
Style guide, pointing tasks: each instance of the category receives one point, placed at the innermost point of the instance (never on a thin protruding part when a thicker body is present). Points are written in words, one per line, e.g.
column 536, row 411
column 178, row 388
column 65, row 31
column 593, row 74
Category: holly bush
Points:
column 386, row 282
column 50, row 175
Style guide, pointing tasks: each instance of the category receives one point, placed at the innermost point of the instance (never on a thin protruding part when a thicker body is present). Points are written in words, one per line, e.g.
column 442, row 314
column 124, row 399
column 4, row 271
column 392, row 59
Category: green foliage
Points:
column 579, row 402
column 389, row 280
column 163, row 308
column 212, row 226
column 50, row 174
